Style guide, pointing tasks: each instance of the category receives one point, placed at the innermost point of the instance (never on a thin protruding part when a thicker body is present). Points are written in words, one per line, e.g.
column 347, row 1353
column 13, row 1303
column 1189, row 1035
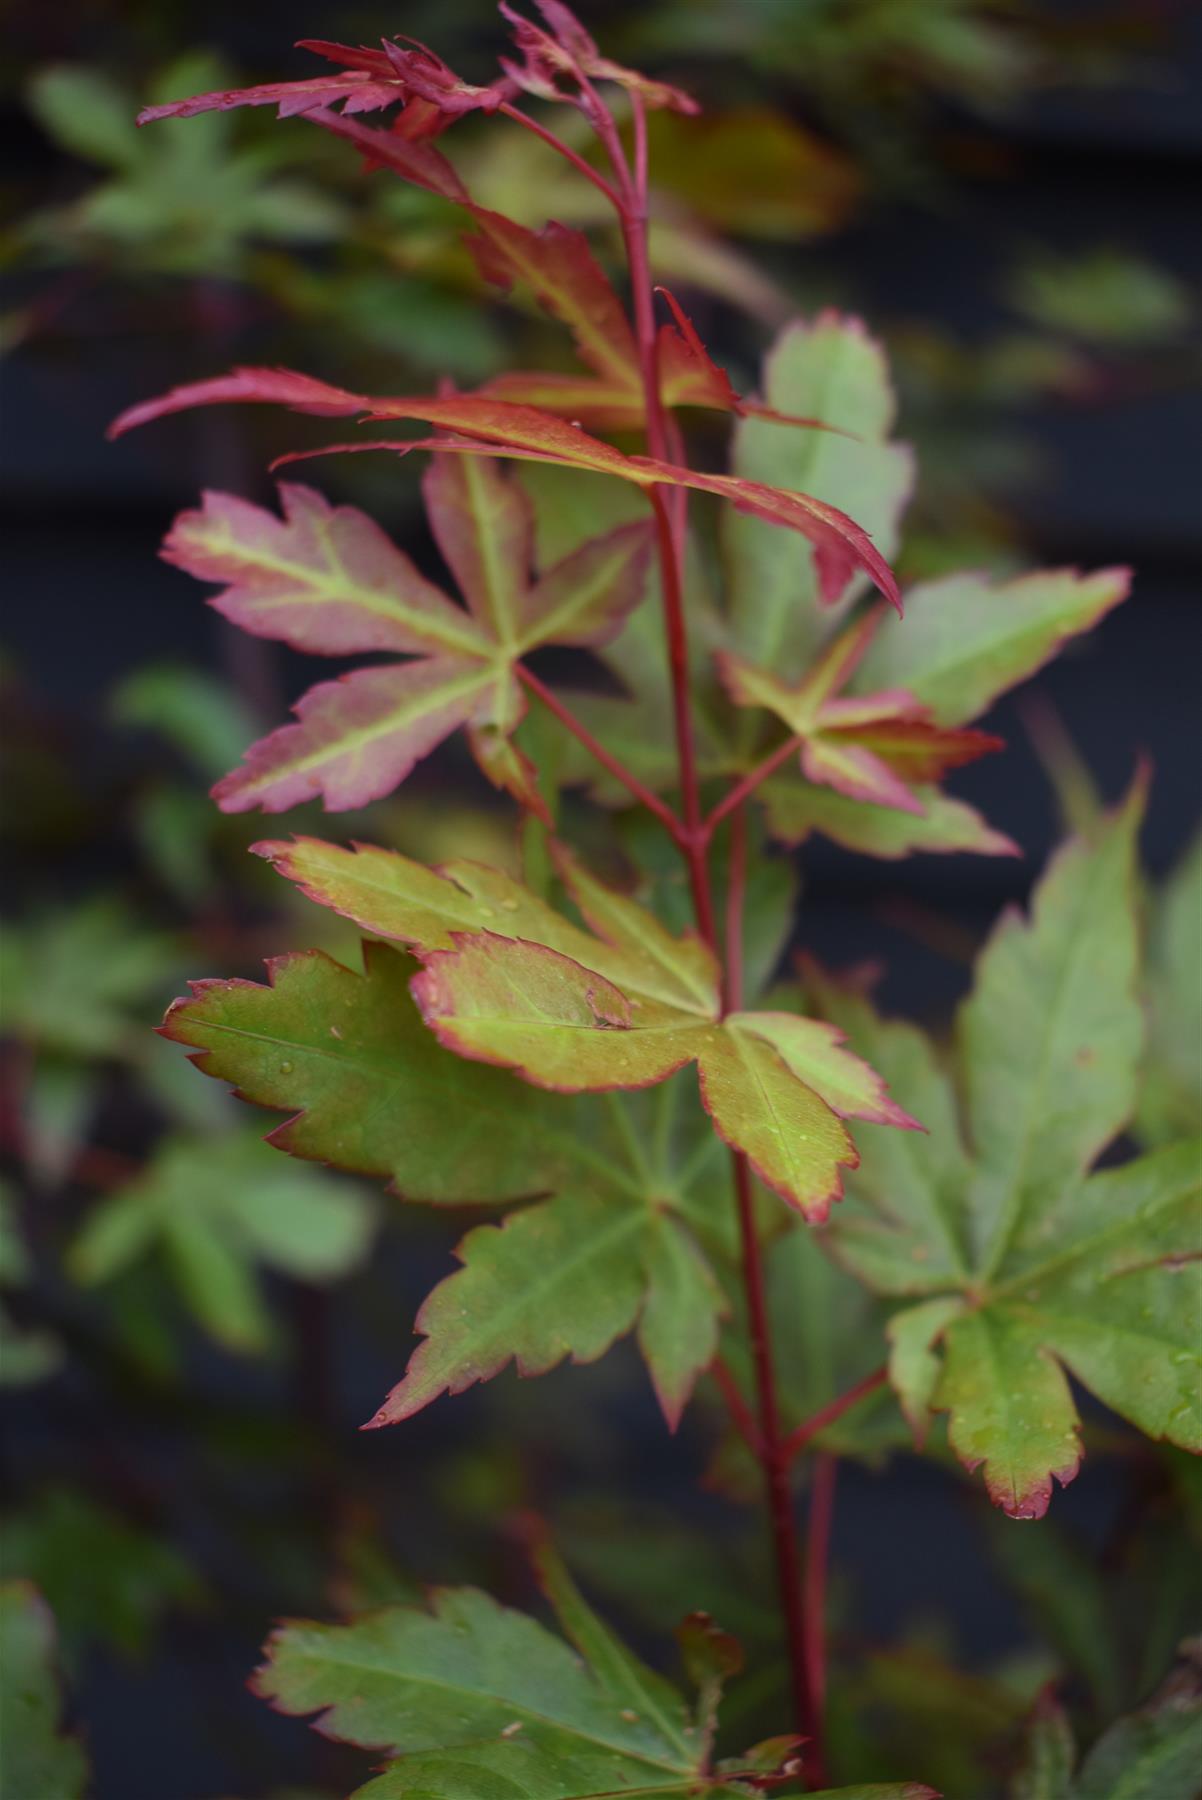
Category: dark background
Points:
column 957, row 191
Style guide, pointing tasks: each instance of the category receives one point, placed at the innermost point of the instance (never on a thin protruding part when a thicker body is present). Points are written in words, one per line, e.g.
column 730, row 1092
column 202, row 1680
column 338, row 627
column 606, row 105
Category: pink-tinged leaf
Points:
column 840, row 546
column 795, row 809
column 484, row 527
column 794, row 1141
column 360, row 91
column 356, row 738
column 568, row 52
column 856, row 772
column 323, row 578
column 605, row 405
column 559, row 1024
column 278, row 387
column 350, row 56
column 647, row 959
column 508, row 768
column 913, row 748
column 559, row 267
column 813, row 1051
column 409, row 158
column 525, row 431
column 586, row 598
column 1011, row 1411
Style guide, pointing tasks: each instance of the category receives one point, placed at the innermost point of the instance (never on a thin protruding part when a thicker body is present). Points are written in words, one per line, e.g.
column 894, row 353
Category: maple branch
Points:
column 774, row 1460
column 730, row 802
column 835, row 1409
column 736, row 890
column 565, row 150
column 818, row 1543
column 663, row 812
column 770, row 1444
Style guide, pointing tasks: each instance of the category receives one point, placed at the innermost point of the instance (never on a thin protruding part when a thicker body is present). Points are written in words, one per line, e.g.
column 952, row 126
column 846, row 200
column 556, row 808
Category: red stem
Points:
column 565, row 150
column 771, row 1445
column 741, row 1415
column 826, row 1415
column 736, row 890
column 593, row 745
column 773, row 1458
column 818, row 1544
column 731, row 801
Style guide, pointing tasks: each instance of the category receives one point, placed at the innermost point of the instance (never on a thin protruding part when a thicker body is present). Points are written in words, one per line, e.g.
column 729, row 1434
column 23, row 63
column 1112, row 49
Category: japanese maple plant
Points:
column 531, row 1045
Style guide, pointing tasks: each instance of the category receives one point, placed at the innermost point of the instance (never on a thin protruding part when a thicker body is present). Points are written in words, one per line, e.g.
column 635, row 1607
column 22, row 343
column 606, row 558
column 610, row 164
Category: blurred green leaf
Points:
column 214, row 1211
column 108, row 1581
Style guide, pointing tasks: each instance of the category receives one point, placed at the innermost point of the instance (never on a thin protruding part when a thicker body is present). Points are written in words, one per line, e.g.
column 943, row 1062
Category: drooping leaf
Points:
column 508, row 980
column 214, row 1215
column 1031, row 1267
column 841, row 545
column 38, row 1757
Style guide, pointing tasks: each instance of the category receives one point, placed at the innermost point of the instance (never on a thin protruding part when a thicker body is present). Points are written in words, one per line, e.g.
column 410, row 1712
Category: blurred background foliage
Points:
column 1002, row 190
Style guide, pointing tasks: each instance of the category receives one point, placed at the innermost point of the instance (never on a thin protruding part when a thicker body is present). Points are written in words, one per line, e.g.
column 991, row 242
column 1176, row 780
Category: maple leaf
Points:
column 1023, row 1263
column 515, row 1709
column 507, row 980
column 327, row 580
column 566, row 52
column 870, row 747
column 611, row 1245
column 841, row 545
column 38, row 1757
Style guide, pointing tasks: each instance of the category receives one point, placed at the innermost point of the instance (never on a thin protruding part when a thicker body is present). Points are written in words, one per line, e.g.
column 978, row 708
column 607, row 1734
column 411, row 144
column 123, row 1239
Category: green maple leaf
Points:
column 477, row 1701
column 633, row 1185
column 38, row 1758
column 508, row 980
column 834, row 370
column 216, row 1211
column 1025, row 1265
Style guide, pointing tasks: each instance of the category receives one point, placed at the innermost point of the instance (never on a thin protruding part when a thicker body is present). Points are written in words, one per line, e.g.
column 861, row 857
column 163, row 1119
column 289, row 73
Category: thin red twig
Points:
column 736, row 889
column 565, row 150
column 595, row 748
column 741, row 1414
column 737, row 794
column 826, row 1415
column 771, row 1448
column 818, row 1544
column 773, row 1458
